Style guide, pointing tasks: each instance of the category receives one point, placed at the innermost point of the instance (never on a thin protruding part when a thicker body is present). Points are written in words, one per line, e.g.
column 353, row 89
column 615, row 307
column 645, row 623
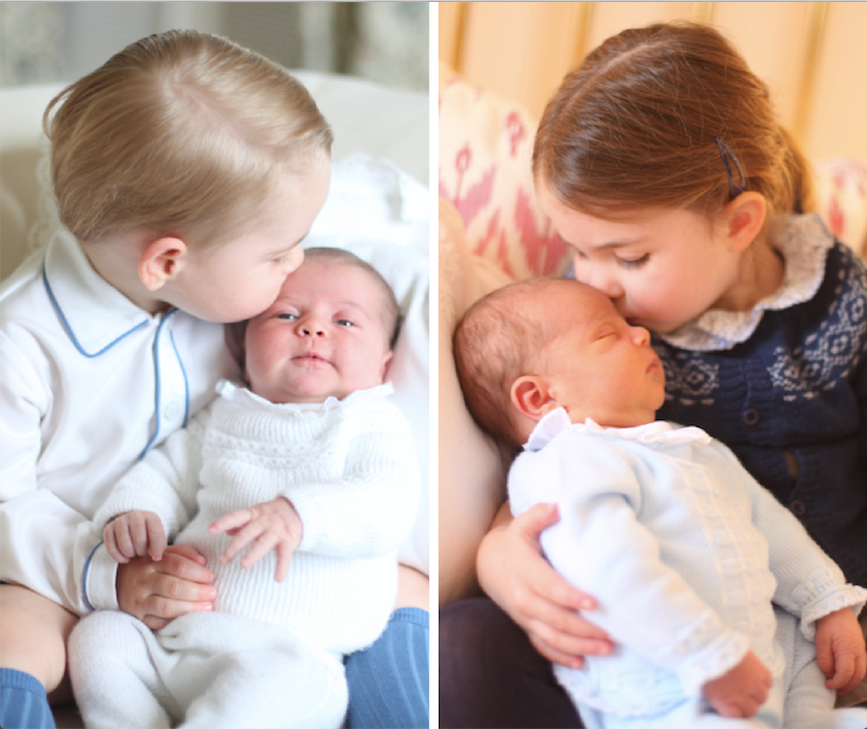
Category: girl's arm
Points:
column 810, row 585
column 515, row 575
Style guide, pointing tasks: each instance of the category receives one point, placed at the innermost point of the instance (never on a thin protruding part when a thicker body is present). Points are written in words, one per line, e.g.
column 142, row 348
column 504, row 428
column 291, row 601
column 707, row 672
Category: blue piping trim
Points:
column 84, row 577
column 186, row 381
column 69, row 328
column 157, row 388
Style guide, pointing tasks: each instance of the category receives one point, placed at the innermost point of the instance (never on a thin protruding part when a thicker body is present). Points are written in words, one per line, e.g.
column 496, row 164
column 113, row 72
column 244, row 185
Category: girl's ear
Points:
column 161, row 260
column 532, row 396
column 745, row 216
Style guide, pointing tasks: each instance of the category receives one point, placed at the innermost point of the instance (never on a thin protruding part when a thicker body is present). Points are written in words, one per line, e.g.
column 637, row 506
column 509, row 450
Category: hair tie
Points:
column 727, row 155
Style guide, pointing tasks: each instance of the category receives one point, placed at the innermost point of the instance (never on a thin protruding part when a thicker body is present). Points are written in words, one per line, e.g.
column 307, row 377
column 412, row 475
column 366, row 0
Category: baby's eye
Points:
column 634, row 262
column 345, row 323
column 289, row 316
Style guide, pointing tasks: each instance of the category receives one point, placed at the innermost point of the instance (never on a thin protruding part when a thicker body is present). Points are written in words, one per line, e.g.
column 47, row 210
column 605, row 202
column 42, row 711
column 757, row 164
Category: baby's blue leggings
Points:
column 388, row 682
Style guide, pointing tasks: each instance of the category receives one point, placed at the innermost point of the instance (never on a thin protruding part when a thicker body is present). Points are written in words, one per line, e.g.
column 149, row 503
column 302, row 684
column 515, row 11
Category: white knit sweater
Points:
column 348, row 467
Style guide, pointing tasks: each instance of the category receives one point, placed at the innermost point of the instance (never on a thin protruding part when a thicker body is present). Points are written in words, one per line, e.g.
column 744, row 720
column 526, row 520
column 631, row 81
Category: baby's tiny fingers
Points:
column 240, row 542
column 232, row 520
column 138, row 534
column 113, row 551
column 265, row 542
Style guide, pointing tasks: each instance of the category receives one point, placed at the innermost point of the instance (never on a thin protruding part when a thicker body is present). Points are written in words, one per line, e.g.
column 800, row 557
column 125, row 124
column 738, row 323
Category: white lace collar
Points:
column 557, row 421
column 804, row 243
column 237, row 392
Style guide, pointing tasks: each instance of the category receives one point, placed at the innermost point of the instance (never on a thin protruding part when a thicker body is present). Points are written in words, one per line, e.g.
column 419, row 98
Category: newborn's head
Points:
column 533, row 346
column 329, row 333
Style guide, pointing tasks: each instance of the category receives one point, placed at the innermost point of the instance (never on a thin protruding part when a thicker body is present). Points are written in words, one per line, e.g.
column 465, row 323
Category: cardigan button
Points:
column 173, row 410
column 798, row 507
column 751, row 416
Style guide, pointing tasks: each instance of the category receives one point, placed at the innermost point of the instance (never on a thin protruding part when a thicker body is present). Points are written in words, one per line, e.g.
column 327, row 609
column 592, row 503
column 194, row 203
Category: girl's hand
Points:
column 513, row 572
column 740, row 692
column 135, row 534
column 272, row 525
column 840, row 650
column 158, row 592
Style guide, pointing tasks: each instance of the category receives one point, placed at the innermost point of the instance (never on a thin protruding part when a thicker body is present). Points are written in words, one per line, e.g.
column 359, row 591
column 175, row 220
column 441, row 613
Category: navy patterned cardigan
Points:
column 797, row 385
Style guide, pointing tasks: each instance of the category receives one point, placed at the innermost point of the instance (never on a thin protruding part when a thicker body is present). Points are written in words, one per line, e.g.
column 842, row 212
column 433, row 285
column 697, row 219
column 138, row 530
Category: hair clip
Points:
column 727, row 155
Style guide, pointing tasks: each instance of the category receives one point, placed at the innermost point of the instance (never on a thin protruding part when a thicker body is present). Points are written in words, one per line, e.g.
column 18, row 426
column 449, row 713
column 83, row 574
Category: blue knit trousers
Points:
column 388, row 682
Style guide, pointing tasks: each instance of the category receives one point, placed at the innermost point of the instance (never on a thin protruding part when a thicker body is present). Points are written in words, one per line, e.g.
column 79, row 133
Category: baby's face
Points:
column 324, row 336
column 599, row 366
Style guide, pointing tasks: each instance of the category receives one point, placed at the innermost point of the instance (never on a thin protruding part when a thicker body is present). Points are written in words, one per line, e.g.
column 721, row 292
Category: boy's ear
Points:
column 745, row 216
column 161, row 260
column 532, row 396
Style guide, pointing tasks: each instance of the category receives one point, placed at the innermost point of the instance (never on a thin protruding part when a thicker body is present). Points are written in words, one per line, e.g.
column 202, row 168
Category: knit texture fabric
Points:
column 348, row 468
column 683, row 550
column 790, row 377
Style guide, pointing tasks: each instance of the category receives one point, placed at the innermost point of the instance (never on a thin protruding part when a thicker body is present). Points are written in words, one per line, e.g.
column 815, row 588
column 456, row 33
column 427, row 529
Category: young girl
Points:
column 660, row 162
column 187, row 170
column 642, row 522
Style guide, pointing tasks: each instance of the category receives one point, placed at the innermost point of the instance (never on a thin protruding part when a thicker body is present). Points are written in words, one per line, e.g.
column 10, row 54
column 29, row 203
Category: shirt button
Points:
column 751, row 416
column 172, row 411
column 798, row 507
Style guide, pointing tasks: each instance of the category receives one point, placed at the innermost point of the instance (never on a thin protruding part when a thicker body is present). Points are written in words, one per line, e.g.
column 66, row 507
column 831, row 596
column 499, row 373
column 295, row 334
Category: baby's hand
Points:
column 135, row 534
column 272, row 525
column 840, row 650
column 739, row 693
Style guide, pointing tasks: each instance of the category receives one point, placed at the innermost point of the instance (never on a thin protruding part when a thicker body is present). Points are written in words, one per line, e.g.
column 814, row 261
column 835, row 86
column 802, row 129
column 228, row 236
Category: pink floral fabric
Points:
column 486, row 146
column 842, row 200
column 485, row 152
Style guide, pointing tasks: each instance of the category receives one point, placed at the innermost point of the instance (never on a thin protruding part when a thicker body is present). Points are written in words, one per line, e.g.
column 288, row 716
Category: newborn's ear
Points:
column 531, row 395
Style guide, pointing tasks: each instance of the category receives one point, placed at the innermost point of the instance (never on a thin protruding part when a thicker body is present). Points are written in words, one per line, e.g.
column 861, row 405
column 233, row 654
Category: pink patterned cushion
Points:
column 486, row 145
column 485, row 150
column 842, row 200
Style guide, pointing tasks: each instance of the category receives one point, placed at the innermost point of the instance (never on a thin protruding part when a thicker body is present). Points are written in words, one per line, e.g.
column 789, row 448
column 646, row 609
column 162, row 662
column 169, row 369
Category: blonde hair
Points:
column 638, row 124
column 497, row 340
column 182, row 133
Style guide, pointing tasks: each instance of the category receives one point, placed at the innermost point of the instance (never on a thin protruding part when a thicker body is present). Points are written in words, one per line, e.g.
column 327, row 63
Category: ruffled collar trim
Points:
column 238, row 393
column 804, row 243
column 659, row 431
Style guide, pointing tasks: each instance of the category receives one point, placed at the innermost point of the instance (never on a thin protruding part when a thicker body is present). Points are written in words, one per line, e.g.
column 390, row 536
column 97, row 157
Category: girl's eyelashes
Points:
column 624, row 262
column 634, row 263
